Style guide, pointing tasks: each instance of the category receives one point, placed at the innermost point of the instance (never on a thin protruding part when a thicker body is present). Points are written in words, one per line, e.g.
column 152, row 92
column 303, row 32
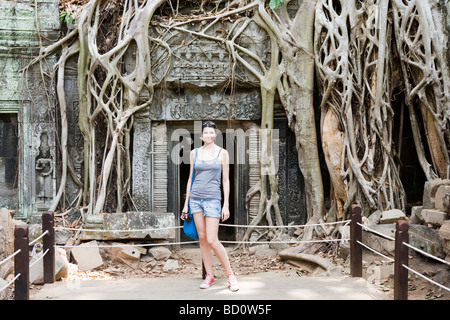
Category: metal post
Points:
column 49, row 244
column 21, row 263
column 355, row 247
column 401, row 258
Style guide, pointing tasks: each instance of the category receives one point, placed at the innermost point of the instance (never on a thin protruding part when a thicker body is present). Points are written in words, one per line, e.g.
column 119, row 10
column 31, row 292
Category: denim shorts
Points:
column 211, row 208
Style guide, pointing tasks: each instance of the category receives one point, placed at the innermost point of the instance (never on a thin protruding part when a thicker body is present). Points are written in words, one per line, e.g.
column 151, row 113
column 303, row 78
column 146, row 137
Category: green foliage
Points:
column 274, row 4
column 65, row 16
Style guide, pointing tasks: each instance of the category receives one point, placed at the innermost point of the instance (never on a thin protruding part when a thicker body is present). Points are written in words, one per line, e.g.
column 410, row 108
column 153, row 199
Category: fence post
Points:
column 355, row 247
column 401, row 258
column 49, row 243
column 21, row 263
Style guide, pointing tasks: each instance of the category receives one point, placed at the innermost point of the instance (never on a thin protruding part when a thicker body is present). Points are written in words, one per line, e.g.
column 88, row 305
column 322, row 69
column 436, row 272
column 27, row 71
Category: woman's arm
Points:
column 225, row 160
column 188, row 185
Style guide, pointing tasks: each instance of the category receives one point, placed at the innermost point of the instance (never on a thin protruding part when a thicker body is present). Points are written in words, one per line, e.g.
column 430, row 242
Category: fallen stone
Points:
column 133, row 225
column 446, row 203
column 429, row 192
column 416, row 215
column 378, row 242
column 128, row 255
column 434, row 217
column 262, row 251
column 6, row 234
column 439, row 197
column 5, row 293
column 61, row 236
column 374, row 217
column 37, row 269
column 87, row 256
column 444, row 230
column 171, row 264
column 160, row 253
column 392, row 216
column 426, row 239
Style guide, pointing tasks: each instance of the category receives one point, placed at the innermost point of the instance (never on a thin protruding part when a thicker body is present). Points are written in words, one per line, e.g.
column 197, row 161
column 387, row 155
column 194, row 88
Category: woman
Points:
column 212, row 164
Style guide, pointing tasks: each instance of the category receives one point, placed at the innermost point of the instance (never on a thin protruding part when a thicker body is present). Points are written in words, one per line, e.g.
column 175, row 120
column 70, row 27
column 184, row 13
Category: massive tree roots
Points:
column 355, row 47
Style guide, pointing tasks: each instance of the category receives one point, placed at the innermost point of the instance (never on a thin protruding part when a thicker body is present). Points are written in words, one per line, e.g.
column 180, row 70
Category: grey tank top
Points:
column 207, row 178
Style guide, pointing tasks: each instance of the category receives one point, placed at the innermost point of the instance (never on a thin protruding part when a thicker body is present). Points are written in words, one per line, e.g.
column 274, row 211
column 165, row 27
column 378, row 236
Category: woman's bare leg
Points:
column 212, row 230
column 205, row 249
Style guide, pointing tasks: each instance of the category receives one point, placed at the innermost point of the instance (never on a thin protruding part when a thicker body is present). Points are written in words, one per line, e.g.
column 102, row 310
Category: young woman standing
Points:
column 212, row 166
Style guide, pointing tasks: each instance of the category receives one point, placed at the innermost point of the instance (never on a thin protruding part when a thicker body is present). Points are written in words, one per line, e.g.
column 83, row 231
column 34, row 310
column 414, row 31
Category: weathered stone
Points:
column 6, row 234
column 171, row 264
column 61, row 266
column 374, row 217
column 160, row 253
column 392, row 216
column 5, row 293
column 434, row 217
column 426, row 239
column 129, row 255
column 429, row 192
column 87, row 256
column 61, row 236
column 444, row 230
column 439, row 197
column 34, row 231
column 416, row 215
column 379, row 243
column 446, row 203
column 141, row 225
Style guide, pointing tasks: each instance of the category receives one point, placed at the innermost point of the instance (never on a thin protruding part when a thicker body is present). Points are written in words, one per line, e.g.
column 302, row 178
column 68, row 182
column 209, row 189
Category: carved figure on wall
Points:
column 44, row 168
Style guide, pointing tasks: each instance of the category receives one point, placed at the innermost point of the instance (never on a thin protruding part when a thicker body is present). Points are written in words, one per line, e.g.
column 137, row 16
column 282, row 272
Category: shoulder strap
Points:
column 193, row 168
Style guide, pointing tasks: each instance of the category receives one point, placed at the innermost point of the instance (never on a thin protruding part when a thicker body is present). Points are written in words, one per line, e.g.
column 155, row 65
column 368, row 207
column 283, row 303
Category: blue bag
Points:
column 189, row 227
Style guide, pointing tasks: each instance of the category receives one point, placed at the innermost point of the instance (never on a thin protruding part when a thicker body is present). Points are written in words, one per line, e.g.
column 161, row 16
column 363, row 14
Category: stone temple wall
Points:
column 26, row 109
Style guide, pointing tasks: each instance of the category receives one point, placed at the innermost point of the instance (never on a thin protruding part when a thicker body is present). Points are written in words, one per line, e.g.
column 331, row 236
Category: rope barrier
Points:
column 220, row 224
column 10, row 257
column 403, row 265
column 426, row 253
column 118, row 230
column 9, row 283
column 38, row 238
column 373, row 250
column 38, row 259
column 191, row 242
column 428, row 279
column 376, row 232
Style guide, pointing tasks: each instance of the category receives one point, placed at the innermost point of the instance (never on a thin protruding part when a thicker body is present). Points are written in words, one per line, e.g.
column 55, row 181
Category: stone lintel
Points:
column 130, row 221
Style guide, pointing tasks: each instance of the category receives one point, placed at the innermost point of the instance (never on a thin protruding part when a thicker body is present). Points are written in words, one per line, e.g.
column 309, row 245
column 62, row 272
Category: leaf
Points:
column 274, row 4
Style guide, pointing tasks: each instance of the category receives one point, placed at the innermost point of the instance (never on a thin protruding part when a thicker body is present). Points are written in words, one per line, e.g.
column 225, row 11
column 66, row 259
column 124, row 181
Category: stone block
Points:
column 132, row 225
column 160, row 253
column 426, row 239
column 61, row 267
column 171, row 264
column 416, row 215
column 379, row 243
column 444, row 230
column 392, row 216
column 429, row 192
column 87, row 256
column 434, row 217
column 439, row 197
column 446, row 203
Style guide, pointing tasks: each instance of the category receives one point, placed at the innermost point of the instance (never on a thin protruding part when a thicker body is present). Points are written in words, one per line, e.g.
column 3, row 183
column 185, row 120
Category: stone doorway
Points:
column 9, row 143
column 179, row 175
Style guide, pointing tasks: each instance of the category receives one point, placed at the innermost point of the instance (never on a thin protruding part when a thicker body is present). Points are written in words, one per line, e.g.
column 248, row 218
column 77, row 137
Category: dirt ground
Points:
column 376, row 271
